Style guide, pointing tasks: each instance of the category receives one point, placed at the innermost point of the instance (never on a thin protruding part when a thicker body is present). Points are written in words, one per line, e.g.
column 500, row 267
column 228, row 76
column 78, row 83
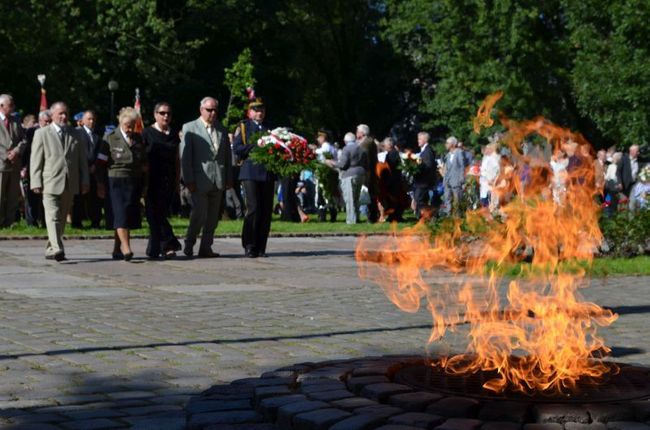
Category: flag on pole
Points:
column 139, row 125
column 43, row 106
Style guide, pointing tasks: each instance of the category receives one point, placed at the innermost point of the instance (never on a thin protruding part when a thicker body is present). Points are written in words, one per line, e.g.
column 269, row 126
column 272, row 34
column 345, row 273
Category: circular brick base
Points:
column 360, row 394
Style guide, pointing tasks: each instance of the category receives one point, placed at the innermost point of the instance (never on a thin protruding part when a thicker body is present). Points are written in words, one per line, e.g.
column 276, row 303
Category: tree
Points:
column 611, row 74
column 238, row 79
column 465, row 49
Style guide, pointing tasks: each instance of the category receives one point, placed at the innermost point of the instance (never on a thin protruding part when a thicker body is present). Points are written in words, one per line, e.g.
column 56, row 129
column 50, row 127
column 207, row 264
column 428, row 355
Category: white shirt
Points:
column 489, row 172
column 125, row 136
column 325, row 148
column 2, row 116
column 634, row 166
column 157, row 127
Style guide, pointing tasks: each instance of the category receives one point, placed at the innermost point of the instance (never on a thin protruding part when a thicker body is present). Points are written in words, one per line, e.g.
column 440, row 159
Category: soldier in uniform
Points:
column 257, row 182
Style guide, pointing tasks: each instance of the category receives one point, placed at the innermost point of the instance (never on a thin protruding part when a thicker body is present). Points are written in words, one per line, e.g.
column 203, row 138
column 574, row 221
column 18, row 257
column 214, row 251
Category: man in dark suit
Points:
column 368, row 145
column 12, row 145
column 89, row 204
column 34, row 214
column 425, row 180
column 257, row 183
column 629, row 168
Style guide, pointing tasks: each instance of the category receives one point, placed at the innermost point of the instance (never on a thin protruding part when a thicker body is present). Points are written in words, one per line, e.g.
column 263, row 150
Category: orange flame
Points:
column 537, row 334
column 484, row 114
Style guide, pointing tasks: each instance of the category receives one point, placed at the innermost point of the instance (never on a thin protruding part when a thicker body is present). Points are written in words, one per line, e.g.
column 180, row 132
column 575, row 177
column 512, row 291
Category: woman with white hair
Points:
column 489, row 172
column 123, row 155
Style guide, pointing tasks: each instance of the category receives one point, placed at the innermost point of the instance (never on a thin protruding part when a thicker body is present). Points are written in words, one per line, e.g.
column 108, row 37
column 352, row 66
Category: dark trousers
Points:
column 289, row 199
column 87, row 206
column 421, row 198
column 34, row 214
column 161, row 235
column 257, row 221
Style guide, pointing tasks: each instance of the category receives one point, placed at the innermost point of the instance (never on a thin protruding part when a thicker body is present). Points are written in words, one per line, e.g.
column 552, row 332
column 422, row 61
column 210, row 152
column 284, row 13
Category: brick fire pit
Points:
column 377, row 393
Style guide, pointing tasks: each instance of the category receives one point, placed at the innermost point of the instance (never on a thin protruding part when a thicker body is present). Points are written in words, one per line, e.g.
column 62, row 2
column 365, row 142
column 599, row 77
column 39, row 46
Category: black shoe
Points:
column 250, row 253
column 128, row 256
column 118, row 255
column 208, row 254
column 59, row 256
column 188, row 250
column 263, row 255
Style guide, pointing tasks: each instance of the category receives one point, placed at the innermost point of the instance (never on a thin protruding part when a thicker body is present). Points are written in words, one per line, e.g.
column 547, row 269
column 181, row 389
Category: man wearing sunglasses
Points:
column 206, row 169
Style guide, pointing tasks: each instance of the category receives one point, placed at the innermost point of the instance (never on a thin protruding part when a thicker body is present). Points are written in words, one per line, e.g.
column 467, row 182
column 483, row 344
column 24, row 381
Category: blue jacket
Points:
column 242, row 146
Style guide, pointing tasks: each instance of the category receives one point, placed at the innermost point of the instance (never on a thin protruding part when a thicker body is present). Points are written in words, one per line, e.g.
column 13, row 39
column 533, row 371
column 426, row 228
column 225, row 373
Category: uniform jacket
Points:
column 54, row 164
column 242, row 145
column 200, row 163
column 121, row 159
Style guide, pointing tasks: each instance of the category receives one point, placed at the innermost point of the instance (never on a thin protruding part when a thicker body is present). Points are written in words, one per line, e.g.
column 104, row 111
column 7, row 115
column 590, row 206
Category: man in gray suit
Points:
column 454, row 176
column 206, row 169
column 353, row 165
column 59, row 170
column 12, row 145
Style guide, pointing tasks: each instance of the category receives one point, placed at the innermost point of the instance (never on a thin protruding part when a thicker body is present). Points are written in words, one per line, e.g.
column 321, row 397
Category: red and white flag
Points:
column 139, row 125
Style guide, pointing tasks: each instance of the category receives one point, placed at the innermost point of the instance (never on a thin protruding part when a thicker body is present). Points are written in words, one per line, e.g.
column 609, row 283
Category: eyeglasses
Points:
column 210, row 110
column 164, row 113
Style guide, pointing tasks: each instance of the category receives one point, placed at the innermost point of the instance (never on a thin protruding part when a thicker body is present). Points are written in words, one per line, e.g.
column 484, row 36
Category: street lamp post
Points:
column 112, row 87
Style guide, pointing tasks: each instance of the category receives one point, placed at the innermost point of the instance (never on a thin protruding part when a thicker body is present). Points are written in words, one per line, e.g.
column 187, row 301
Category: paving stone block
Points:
column 320, row 419
column 580, row 426
column 334, row 373
column 454, row 407
column 269, row 406
column 379, row 410
column 501, row 425
column 460, row 424
column 627, row 425
column 96, row 424
column 286, row 413
column 264, row 382
column 359, row 422
column 375, row 369
column 200, row 406
column 356, row 383
column 330, row 396
column 604, row 413
column 225, row 417
column 545, row 426
column 88, row 414
column 230, row 391
column 504, row 411
column 167, row 421
column 383, row 391
column 417, row 419
column 560, row 413
column 353, row 403
column 264, row 392
column 417, row 401
column 323, row 385
column 641, row 410
column 397, row 427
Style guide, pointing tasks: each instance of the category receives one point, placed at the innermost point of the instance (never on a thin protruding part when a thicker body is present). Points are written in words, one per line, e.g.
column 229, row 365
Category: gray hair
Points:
column 424, row 133
column 44, row 114
column 363, row 128
column 204, row 100
column 4, row 98
column 127, row 114
column 452, row 141
column 349, row 137
column 161, row 104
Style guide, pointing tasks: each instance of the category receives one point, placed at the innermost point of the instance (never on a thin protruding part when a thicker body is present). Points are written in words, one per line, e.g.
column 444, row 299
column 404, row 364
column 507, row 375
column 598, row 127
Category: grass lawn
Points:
column 606, row 266
column 226, row 227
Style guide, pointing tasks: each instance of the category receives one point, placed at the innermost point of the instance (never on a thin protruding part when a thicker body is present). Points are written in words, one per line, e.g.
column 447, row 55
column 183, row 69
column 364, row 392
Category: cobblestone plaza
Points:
column 94, row 343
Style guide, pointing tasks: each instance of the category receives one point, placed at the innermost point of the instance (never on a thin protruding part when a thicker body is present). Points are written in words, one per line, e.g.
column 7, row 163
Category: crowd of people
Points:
column 63, row 174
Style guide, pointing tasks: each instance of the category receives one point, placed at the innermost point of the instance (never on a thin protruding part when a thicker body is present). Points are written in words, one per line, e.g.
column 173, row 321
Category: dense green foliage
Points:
column 394, row 64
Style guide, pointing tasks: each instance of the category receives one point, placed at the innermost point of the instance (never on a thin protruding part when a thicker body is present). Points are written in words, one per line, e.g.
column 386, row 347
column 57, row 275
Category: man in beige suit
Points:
column 12, row 145
column 206, row 168
column 58, row 170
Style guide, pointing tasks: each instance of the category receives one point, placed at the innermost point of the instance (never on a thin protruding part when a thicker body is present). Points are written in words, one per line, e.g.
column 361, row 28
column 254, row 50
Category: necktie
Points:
column 6, row 121
column 213, row 138
column 61, row 136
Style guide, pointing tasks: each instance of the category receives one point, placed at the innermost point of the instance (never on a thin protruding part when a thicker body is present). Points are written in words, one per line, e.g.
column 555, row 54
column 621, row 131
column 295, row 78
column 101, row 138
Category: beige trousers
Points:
column 56, row 207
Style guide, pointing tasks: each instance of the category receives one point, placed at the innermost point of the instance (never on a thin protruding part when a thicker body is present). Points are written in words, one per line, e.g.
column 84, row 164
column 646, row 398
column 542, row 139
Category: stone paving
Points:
column 94, row 343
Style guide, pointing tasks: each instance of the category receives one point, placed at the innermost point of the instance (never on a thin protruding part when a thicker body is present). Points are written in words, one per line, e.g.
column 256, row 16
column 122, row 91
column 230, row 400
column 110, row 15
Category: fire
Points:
column 537, row 334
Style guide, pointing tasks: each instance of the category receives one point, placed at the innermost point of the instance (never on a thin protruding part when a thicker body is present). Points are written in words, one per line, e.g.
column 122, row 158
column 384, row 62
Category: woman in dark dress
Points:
column 162, row 153
column 122, row 155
